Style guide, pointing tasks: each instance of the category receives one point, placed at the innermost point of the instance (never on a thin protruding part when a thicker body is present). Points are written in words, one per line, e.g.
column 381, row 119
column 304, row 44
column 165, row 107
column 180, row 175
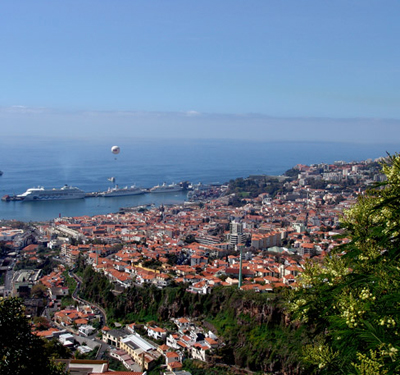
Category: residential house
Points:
column 156, row 332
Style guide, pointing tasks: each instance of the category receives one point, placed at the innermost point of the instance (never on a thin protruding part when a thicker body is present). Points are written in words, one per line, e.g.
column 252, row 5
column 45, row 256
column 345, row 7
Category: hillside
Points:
column 252, row 325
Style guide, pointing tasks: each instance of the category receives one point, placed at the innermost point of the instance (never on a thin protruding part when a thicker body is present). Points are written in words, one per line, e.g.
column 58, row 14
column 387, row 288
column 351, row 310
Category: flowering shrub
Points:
column 350, row 300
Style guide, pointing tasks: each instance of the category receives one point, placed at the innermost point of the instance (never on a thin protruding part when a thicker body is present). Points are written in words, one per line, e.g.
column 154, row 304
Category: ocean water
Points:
column 88, row 164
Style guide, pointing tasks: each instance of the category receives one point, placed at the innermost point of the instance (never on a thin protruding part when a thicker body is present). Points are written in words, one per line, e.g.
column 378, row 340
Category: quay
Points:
column 93, row 194
column 64, row 192
column 11, row 198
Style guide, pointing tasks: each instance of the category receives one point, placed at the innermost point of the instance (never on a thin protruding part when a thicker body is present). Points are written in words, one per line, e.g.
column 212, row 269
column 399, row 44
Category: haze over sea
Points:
column 88, row 164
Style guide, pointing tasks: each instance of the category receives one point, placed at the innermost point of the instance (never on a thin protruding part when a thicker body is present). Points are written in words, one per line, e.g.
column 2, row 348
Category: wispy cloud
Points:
column 192, row 113
column 196, row 125
column 24, row 110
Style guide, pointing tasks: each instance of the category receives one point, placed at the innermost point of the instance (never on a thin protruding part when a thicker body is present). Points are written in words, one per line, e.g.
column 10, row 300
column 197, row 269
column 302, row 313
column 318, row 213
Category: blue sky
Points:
column 262, row 69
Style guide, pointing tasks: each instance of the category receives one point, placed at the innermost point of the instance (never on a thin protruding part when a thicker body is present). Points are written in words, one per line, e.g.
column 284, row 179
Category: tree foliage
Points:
column 97, row 288
column 21, row 352
column 351, row 300
column 252, row 187
column 38, row 291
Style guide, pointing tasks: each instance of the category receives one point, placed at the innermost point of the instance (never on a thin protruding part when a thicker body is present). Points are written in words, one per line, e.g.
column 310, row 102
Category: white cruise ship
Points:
column 118, row 192
column 42, row 194
column 164, row 188
column 199, row 187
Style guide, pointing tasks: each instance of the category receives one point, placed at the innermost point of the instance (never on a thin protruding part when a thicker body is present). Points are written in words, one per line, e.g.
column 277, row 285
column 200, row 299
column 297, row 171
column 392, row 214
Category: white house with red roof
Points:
column 157, row 333
column 182, row 323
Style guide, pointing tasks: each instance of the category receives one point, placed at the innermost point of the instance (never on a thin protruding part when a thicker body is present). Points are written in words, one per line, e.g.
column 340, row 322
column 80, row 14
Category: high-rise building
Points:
column 236, row 235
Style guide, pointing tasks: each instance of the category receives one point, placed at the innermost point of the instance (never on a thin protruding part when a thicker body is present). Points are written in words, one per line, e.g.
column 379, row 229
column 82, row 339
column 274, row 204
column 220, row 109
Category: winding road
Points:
column 81, row 300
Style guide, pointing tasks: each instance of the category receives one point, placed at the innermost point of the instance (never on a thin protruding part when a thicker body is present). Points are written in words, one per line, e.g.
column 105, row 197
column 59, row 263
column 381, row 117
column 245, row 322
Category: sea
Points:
column 89, row 164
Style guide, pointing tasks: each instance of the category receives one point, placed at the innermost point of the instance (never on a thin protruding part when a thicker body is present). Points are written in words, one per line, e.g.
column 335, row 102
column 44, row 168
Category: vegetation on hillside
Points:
column 252, row 187
column 251, row 325
column 96, row 287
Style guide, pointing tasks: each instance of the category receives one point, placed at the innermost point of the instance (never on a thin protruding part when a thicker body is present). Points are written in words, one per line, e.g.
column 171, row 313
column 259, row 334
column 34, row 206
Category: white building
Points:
column 86, row 330
column 156, row 332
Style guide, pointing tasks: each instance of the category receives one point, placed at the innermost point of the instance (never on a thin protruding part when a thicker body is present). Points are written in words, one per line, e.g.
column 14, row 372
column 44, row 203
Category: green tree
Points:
column 190, row 238
column 38, row 291
column 21, row 352
column 351, row 300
